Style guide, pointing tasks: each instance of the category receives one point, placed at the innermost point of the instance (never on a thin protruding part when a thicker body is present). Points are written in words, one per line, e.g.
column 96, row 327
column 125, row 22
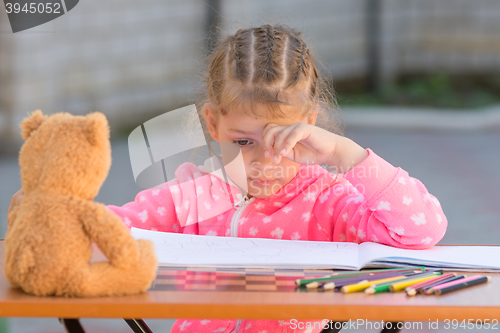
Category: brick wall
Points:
column 136, row 59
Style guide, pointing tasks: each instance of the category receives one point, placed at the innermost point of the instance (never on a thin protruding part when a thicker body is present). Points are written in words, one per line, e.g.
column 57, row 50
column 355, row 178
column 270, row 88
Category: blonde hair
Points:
column 269, row 65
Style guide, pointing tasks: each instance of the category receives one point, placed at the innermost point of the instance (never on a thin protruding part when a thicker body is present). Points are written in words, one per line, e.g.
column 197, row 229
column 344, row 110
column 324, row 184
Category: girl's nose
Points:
column 262, row 164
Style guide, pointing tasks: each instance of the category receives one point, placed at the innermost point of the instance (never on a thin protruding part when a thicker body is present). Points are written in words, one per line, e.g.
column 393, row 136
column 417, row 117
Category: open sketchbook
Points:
column 180, row 250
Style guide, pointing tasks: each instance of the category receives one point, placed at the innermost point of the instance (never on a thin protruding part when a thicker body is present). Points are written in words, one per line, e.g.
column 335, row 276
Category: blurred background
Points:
column 417, row 81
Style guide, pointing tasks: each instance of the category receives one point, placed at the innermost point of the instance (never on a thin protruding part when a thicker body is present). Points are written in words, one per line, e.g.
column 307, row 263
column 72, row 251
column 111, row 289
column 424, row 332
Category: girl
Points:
column 264, row 94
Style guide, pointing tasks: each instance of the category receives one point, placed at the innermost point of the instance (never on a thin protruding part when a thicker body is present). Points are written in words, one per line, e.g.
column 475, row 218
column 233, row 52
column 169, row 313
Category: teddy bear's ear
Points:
column 30, row 124
column 97, row 128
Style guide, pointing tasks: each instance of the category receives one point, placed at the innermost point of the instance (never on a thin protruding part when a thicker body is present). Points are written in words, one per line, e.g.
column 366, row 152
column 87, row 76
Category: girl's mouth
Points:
column 262, row 182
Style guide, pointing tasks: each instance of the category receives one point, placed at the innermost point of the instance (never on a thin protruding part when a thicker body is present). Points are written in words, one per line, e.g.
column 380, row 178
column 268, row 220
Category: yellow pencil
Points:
column 403, row 284
column 362, row 285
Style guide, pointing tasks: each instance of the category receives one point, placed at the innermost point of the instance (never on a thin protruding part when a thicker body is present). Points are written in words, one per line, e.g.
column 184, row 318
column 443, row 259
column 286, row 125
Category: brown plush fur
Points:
column 48, row 244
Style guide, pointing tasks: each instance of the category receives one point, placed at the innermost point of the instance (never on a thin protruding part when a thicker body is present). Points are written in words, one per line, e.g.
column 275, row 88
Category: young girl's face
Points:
column 264, row 178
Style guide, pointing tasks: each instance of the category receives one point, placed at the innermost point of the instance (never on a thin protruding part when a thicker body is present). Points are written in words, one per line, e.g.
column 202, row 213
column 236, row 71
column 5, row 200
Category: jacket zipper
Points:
column 240, row 207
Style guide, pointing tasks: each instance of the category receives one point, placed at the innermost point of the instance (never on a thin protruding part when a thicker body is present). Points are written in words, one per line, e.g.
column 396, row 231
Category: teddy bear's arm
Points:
column 11, row 216
column 14, row 206
column 106, row 229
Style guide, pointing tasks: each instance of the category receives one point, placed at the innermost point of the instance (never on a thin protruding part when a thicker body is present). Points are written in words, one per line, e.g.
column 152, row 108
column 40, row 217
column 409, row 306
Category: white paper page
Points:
column 485, row 256
column 173, row 249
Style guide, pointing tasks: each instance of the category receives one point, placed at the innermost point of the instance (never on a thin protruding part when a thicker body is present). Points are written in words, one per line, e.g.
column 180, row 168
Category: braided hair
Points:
column 270, row 65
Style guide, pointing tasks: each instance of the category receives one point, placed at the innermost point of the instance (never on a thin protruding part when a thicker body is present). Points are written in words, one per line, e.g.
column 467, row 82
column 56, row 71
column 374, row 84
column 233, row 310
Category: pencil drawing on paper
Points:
column 226, row 250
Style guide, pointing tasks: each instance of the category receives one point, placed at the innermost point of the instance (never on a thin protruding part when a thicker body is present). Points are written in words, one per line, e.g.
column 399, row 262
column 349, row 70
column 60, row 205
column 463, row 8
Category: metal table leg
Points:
column 138, row 326
column 71, row 325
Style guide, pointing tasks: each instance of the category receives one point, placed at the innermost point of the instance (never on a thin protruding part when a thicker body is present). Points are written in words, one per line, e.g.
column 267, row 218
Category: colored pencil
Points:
column 400, row 285
column 385, row 286
column 346, row 280
column 462, row 285
column 426, row 289
column 337, row 275
column 340, row 284
column 467, row 278
column 414, row 289
column 351, row 280
column 452, row 283
column 435, row 279
column 365, row 284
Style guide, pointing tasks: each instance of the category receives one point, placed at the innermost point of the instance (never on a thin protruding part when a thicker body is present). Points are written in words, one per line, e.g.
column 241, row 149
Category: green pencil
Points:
column 342, row 275
column 385, row 286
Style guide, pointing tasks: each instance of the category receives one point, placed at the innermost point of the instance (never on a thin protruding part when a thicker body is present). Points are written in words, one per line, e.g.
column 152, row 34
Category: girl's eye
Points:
column 243, row 143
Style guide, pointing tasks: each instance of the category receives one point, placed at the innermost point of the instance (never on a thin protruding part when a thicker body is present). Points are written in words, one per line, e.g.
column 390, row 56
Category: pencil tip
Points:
column 411, row 292
column 312, row 285
column 329, row 285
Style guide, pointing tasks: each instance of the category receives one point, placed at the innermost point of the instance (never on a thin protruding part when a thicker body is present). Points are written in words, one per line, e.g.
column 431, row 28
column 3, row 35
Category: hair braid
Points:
column 258, row 64
column 266, row 66
column 314, row 81
column 297, row 50
column 304, row 52
column 240, row 69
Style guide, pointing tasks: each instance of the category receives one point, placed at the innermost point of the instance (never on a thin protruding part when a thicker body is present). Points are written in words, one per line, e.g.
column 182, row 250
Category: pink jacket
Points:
column 373, row 202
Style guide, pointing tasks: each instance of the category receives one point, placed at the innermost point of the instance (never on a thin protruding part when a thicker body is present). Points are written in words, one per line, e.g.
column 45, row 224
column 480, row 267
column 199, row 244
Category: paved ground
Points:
column 459, row 167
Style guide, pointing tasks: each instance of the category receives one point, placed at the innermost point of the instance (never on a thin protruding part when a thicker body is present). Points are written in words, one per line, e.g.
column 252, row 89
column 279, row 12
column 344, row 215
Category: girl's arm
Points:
column 152, row 209
column 377, row 202
column 391, row 207
column 178, row 206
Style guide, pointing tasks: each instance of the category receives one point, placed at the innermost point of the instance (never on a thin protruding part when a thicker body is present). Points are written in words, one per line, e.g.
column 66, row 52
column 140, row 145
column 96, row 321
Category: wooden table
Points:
column 477, row 303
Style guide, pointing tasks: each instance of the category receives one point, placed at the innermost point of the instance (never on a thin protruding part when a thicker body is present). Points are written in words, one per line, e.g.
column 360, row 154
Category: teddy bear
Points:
column 48, row 245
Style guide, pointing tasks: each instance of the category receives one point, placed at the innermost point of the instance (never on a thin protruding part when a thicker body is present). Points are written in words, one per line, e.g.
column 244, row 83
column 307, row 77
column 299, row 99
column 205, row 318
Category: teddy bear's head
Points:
column 65, row 154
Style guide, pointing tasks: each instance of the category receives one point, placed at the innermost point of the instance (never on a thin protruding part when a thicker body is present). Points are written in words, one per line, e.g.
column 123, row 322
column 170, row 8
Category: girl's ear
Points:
column 210, row 119
column 312, row 118
column 313, row 115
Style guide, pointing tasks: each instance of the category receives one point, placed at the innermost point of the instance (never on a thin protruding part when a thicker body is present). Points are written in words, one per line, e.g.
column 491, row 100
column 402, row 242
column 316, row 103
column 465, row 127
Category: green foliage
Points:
column 4, row 325
column 438, row 91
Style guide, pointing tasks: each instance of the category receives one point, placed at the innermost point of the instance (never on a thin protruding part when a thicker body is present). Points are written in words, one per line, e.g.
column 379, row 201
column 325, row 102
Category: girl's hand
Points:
column 16, row 200
column 308, row 144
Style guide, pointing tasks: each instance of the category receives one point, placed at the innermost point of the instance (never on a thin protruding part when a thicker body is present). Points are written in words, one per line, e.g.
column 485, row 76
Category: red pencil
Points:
column 412, row 290
column 425, row 290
